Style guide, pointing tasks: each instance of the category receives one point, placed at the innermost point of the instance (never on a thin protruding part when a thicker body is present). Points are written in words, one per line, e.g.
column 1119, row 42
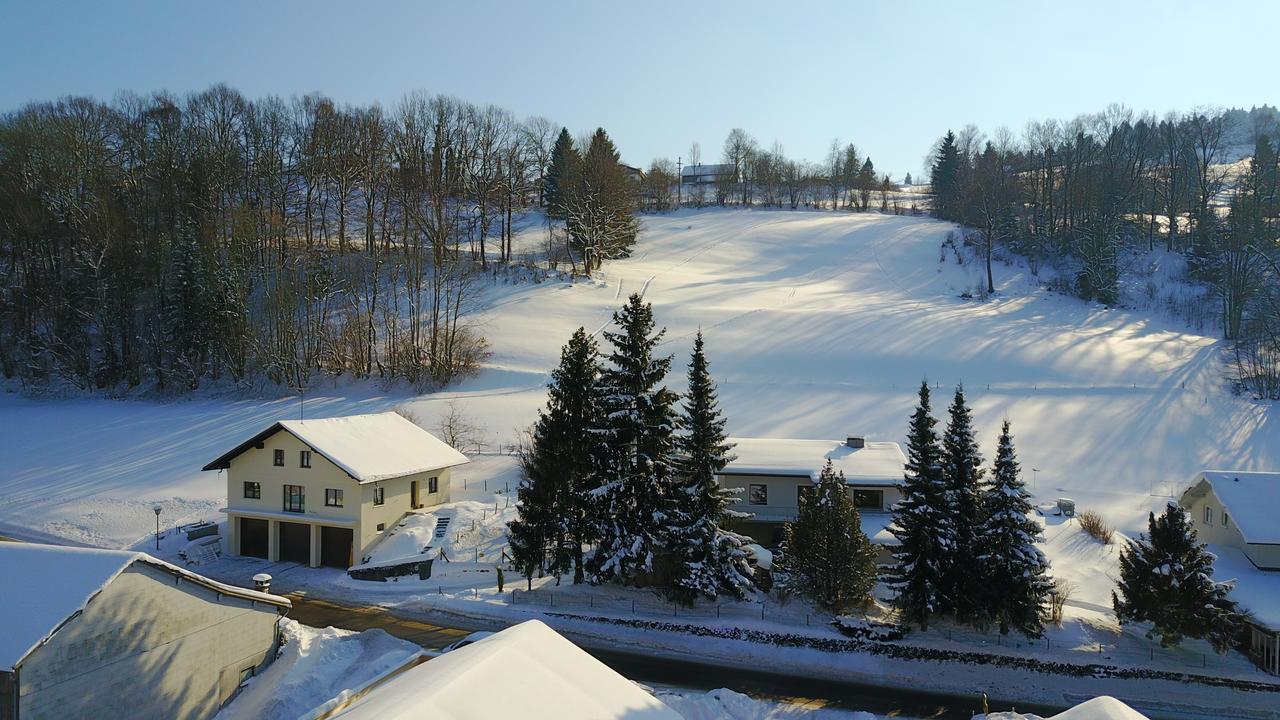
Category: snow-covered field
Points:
column 818, row 325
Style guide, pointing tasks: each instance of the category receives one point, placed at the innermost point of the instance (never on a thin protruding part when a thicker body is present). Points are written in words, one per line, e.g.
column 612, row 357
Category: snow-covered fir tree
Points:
column 825, row 551
column 1166, row 579
column 962, row 468
column 527, row 535
column 921, row 523
column 708, row 559
column 554, row 493
column 635, row 442
column 1013, row 572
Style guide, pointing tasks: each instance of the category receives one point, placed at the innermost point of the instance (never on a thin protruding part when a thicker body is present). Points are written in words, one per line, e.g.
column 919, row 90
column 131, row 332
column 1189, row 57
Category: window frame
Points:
column 277, row 457
column 289, row 494
column 304, row 459
column 1208, row 514
column 333, row 497
column 433, row 485
column 763, row 489
column 252, row 490
column 875, row 491
column 379, row 496
column 1225, row 522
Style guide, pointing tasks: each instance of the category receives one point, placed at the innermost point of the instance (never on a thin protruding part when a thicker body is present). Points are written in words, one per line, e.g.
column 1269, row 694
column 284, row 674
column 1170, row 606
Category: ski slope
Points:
column 817, row 325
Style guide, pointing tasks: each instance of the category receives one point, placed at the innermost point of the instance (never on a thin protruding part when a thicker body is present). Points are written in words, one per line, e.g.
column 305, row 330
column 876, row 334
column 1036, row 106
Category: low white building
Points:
column 528, row 671
column 95, row 634
column 1238, row 515
column 321, row 492
column 771, row 475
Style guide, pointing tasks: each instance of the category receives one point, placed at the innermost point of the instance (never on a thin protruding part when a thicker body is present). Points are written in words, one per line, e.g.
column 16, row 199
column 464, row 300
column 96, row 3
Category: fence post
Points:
column 552, row 595
column 717, row 610
column 633, row 606
column 673, row 608
column 513, row 597
column 486, row 483
column 762, row 610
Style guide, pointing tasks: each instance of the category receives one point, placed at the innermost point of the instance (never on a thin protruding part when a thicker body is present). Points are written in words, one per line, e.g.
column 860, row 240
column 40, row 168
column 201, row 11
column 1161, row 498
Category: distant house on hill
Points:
column 113, row 634
column 706, row 174
column 772, row 476
column 320, row 492
column 1238, row 515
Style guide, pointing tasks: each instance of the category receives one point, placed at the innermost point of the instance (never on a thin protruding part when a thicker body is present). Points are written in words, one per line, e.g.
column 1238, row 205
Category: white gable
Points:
column 528, row 671
column 878, row 463
column 1252, row 499
column 375, row 447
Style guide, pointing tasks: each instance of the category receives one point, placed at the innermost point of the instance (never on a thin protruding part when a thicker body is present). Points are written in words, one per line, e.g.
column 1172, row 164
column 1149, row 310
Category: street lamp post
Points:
column 156, row 509
column 1034, row 474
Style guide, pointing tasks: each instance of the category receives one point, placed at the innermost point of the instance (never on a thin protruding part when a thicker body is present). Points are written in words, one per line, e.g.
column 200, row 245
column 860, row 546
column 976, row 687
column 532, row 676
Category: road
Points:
column 687, row 674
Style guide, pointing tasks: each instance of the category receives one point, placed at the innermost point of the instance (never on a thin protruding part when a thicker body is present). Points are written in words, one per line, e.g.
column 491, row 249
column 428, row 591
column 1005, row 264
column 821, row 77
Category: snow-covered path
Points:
column 817, row 325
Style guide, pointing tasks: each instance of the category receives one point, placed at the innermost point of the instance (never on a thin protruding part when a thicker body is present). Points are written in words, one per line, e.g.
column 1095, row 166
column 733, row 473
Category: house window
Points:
column 294, row 498
column 1224, row 518
column 378, row 496
column 758, row 494
column 1208, row 515
column 246, row 675
column 332, row 497
column 433, row 484
column 804, row 493
column 868, row 499
column 304, row 458
column 277, row 457
column 253, row 490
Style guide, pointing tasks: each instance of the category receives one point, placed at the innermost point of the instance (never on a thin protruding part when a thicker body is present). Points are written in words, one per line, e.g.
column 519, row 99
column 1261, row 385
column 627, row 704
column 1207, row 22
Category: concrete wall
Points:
column 147, row 646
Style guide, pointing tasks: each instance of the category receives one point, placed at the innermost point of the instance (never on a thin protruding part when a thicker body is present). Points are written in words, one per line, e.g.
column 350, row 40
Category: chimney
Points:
column 262, row 582
column 856, row 442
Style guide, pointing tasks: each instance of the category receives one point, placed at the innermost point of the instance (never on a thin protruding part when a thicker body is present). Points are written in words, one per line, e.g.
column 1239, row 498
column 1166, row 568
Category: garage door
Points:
column 253, row 537
column 295, row 543
column 335, row 547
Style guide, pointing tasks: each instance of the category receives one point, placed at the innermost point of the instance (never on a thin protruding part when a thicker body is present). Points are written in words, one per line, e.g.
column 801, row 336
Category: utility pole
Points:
column 679, row 181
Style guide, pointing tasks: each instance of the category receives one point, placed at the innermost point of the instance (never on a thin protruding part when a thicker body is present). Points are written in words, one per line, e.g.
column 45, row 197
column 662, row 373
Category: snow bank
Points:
column 1099, row 708
column 317, row 669
column 527, row 671
column 726, row 704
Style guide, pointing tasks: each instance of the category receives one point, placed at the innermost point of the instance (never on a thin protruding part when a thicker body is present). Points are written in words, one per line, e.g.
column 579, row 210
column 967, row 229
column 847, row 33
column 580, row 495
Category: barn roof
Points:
column 372, row 447
column 46, row 585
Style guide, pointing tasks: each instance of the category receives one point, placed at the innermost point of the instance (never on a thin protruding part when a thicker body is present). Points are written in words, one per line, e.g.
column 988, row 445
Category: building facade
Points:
column 321, row 492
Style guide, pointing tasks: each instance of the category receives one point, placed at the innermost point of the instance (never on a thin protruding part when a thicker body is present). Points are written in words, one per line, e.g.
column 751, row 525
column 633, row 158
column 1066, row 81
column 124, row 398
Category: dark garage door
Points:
column 253, row 537
column 335, row 547
column 295, row 543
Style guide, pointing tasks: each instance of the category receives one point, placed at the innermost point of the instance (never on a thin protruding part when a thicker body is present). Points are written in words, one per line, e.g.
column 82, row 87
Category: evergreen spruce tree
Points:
column 944, row 179
column 635, row 443
column 1012, row 569
column 708, row 558
column 553, row 496
column 827, row 555
column 962, row 469
column 1166, row 579
column 921, row 523
column 601, row 212
column 561, row 175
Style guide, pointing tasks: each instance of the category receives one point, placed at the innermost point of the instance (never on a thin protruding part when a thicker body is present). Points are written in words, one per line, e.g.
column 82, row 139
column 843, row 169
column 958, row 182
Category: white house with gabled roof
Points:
column 1238, row 515
column 87, row 633
column 321, row 492
column 771, row 475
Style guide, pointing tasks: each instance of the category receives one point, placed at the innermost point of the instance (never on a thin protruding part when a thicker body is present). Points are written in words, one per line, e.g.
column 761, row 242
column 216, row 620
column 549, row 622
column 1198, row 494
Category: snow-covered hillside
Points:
column 817, row 324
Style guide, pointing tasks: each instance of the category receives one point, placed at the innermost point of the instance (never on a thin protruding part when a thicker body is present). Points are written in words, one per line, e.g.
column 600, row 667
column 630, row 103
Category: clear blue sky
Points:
column 658, row 75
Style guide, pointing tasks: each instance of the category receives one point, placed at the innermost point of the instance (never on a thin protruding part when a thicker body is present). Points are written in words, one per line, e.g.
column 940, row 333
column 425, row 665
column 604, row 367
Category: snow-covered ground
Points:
column 818, row 324
column 316, row 669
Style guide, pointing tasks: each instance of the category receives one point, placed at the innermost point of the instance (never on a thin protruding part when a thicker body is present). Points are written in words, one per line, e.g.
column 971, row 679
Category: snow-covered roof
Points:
column 527, row 671
column 378, row 446
column 44, row 585
column 1251, row 498
column 1103, row 707
column 877, row 463
column 1256, row 590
